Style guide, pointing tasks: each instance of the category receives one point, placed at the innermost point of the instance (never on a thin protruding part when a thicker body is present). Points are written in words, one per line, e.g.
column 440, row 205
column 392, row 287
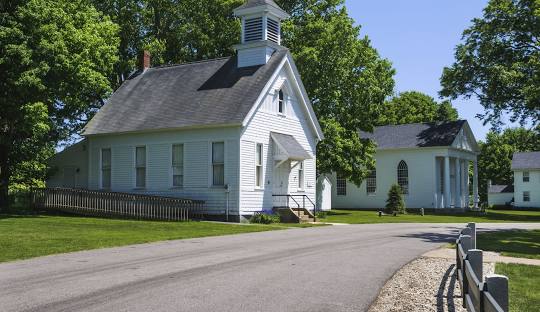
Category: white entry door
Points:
column 281, row 183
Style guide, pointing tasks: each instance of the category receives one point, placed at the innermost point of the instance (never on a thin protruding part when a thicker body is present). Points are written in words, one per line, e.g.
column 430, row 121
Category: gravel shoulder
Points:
column 424, row 284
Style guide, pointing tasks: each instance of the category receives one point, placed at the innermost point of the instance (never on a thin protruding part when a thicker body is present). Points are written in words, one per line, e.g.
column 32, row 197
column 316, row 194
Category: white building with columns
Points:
column 430, row 161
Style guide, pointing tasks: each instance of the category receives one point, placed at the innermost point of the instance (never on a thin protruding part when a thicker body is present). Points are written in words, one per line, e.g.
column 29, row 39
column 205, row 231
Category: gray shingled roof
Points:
column 415, row 135
column 501, row 189
column 213, row 92
column 526, row 160
column 291, row 147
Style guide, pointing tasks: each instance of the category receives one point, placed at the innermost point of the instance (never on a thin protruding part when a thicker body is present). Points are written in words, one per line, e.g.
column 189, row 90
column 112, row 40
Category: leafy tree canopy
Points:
column 56, row 59
column 499, row 62
column 414, row 106
column 495, row 159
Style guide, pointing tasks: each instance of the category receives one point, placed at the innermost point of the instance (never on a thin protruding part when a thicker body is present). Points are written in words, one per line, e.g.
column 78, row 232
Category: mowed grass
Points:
column 359, row 217
column 524, row 286
column 24, row 237
column 516, row 243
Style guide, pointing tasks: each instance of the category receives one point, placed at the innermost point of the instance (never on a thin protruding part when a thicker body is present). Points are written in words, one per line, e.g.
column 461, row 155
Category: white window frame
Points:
column 401, row 179
column 145, row 167
column 371, row 183
column 259, row 165
column 211, row 161
column 101, row 169
column 339, row 187
column 526, row 196
column 526, row 177
column 301, row 176
column 281, row 103
column 180, row 165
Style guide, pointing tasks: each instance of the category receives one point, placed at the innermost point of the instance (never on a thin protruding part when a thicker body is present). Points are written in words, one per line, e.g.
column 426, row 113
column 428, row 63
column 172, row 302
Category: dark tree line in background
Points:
column 61, row 59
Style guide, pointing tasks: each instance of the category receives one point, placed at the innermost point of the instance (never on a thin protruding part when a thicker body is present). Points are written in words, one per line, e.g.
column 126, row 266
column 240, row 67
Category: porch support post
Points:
column 475, row 183
column 458, row 184
column 447, row 199
column 436, row 183
column 467, row 181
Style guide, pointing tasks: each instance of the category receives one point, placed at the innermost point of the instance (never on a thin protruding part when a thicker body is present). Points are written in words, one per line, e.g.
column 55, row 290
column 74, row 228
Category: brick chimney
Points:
column 144, row 60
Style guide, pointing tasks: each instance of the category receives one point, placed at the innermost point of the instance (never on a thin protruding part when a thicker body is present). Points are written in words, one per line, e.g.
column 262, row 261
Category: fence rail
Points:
column 113, row 204
column 479, row 294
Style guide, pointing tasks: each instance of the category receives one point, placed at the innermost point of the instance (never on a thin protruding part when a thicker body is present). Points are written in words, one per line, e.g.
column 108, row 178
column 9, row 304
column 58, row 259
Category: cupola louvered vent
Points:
column 273, row 30
column 253, row 29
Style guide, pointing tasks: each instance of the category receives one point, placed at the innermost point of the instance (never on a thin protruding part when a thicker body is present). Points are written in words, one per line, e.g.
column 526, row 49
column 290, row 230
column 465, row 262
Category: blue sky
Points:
column 419, row 37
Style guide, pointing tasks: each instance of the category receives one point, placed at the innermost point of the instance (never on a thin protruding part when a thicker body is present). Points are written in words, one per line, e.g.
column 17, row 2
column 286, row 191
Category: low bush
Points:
column 321, row 214
column 263, row 218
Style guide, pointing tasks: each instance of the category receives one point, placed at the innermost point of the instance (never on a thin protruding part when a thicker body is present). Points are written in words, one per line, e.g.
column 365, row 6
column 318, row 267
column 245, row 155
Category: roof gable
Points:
column 209, row 93
column 430, row 134
column 526, row 160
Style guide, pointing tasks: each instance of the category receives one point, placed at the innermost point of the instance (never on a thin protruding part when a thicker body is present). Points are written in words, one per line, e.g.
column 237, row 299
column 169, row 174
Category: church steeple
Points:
column 261, row 31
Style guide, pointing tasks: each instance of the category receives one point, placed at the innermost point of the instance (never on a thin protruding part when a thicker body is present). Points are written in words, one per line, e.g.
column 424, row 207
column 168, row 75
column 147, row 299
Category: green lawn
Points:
column 359, row 216
column 524, row 292
column 524, row 244
column 24, row 237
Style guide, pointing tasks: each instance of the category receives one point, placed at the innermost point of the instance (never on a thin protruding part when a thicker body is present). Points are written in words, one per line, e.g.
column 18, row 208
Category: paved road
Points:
column 334, row 268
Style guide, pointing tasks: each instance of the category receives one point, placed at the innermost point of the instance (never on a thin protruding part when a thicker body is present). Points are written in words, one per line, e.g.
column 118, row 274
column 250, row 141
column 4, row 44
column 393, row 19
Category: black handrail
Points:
column 304, row 196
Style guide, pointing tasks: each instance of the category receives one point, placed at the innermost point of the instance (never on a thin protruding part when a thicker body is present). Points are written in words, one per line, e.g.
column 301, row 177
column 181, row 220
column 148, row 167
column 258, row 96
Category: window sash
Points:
column 526, row 176
column 371, row 182
column 177, row 163
column 341, row 185
column 258, row 165
column 301, row 175
column 403, row 177
column 281, row 101
column 140, row 166
column 218, row 163
column 526, row 196
column 106, row 168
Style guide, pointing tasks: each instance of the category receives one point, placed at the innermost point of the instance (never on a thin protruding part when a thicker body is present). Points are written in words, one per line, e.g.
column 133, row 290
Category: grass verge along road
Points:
column 492, row 216
column 524, row 288
column 518, row 243
column 24, row 237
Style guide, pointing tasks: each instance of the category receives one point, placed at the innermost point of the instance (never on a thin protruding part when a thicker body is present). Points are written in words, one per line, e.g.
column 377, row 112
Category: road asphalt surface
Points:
column 332, row 268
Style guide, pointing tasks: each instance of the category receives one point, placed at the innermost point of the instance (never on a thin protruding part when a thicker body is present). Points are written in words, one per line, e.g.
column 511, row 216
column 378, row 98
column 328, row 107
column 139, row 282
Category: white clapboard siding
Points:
column 266, row 120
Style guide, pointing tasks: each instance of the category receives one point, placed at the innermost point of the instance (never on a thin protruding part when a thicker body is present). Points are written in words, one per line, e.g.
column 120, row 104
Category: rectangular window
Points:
column 106, row 168
column 341, row 185
column 177, row 165
column 140, row 166
column 526, row 176
column 371, row 182
column 218, row 163
column 526, row 196
column 259, row 165
column 281, row 102
column 301, row 175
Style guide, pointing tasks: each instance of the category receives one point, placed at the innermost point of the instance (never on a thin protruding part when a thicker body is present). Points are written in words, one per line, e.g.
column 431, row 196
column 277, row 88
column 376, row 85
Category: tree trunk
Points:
column 4, row 183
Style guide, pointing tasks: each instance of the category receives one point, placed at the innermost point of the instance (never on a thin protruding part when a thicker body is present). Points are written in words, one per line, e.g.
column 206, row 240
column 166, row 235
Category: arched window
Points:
column 281, row 103
column 403, row 176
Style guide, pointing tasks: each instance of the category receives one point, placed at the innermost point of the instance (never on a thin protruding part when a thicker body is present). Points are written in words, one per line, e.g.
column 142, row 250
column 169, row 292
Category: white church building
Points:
column 239, row 132
column 430, row 161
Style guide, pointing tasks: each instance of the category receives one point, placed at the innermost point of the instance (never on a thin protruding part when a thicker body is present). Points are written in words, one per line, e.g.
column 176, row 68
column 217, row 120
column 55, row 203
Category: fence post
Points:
column 472, row 226
column 465, row 242
column 476, row 258
column 497, row 286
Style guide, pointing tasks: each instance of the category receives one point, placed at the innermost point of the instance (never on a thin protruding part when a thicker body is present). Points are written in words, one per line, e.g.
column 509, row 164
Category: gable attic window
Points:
column 106, row 168
column 273, row 30
column 281, row 102
column 178, row 165
column 218, row 164
column 253, row 29
column 341, row 185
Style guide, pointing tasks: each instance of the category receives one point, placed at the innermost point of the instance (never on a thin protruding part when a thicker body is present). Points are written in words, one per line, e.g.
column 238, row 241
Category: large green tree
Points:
column 499, row 62
column 56, row 59
column 345, row 78
column 414, row 106
column 495, row 159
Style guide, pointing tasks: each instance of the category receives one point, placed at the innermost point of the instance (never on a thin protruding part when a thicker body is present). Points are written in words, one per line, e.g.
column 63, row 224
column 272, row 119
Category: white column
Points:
column 475, row 183
column 458, row 184
column 446, row 182
column 435, row 184
column 467, row 194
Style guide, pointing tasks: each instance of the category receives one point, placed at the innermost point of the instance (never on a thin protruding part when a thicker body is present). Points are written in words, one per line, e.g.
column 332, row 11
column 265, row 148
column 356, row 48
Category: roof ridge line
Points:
column 190, row 63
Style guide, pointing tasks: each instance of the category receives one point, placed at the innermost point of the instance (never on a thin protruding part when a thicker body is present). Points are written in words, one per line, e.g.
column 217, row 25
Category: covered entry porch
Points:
column 452, row 182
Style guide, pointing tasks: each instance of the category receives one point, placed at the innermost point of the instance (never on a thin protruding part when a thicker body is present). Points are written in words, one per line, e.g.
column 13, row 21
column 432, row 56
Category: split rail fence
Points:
column 113, row 204
column 489, row 294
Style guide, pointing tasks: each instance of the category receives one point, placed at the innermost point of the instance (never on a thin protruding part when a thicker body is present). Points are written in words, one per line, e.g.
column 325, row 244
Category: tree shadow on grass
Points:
column 512, row 241
column 509, row 216
column 18, row 216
